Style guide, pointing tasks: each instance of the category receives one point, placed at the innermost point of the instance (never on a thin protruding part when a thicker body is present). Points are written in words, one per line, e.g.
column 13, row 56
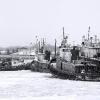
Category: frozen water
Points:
column 40, row 86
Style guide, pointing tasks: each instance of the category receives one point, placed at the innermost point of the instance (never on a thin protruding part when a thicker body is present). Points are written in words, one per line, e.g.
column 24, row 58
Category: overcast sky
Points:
column 22, row 20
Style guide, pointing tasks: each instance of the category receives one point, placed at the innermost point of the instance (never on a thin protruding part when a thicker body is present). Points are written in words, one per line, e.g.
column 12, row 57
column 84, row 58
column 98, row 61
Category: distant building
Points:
column 3, row 52
column 25, row 52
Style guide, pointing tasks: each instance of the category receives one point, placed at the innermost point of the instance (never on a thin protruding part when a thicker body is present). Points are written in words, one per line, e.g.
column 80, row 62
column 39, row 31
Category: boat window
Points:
column 65, row 50
column 53, row 60
column 14, row 62
column 21, row 60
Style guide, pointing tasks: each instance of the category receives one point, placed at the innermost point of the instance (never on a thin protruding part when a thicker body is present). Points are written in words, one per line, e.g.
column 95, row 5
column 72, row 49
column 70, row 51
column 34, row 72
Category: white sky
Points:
column 22, row 20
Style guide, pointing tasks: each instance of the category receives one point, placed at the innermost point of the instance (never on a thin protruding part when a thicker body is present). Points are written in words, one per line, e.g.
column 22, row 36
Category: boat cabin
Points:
column 65, row 53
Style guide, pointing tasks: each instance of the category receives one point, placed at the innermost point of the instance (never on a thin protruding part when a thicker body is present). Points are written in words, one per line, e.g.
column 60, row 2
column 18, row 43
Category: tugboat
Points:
column 61, row 65
column 11, row 64
column 40, row 63
column 77, row 62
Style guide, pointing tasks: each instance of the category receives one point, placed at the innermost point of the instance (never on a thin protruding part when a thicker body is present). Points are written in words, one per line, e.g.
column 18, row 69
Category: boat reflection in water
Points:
column 77, row 62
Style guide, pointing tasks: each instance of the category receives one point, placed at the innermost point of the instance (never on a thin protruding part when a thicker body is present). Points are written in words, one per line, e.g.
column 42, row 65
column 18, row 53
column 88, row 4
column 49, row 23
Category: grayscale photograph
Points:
column 49, row 49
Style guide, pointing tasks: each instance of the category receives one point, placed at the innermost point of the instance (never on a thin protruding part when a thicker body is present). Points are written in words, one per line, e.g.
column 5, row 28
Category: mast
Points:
column 63, row 33
column 95, row 38
column 55, row 47
column 89, row 33
column 43, row 44
column 39, row 47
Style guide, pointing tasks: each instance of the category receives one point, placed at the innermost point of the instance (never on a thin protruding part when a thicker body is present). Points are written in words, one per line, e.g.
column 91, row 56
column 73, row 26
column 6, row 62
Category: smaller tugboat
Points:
column 77, row 62
column 41, row 61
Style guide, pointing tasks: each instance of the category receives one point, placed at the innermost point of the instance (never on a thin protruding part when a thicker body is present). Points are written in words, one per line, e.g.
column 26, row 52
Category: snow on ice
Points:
column 27, row 85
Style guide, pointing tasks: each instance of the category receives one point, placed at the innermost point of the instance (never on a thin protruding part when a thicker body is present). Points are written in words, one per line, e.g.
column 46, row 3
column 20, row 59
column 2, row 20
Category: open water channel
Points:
column 27, row 85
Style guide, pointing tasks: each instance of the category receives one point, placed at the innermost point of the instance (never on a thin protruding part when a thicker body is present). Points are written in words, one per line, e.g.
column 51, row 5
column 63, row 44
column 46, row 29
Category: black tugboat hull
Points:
column 39, row 67
column 58, row 73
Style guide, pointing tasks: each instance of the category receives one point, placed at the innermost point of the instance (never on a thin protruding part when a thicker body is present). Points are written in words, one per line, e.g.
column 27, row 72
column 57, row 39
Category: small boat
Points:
column 41, row 61
column 78, row 63
column 11, row 64
column 40, row 65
